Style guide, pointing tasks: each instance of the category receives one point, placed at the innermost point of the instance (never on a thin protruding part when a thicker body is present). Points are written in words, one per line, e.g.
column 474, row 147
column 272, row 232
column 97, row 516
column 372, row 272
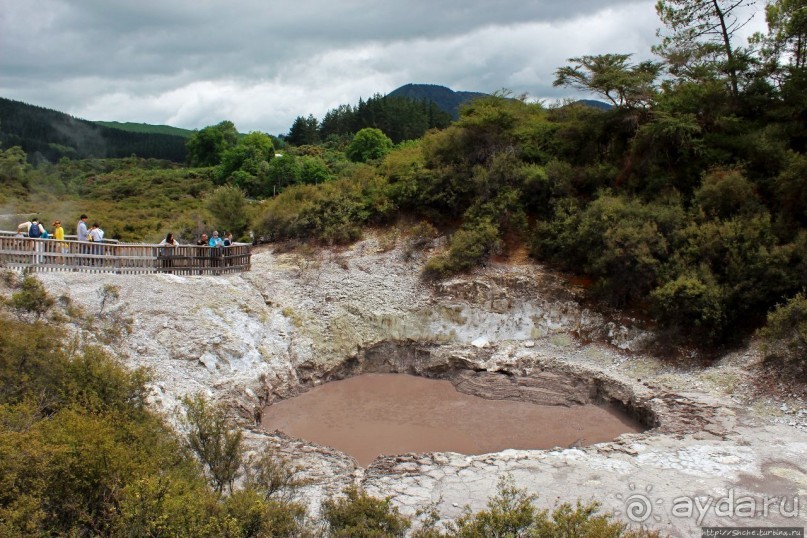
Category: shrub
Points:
column 248, row 514
column 620, row 240
column 470, row 247
column 726, row 193
column 584, row 520
column 332, row 212
column 80, row 455
column 272, row 475
column 790, row 188
column 510, row 513
column 214, row 439
column 368, row 144
column 785, row 334
column 228, row 205
column 419, row 237
column 32, row 299
column 692, row 303
column 743, row 255
column 359, row 514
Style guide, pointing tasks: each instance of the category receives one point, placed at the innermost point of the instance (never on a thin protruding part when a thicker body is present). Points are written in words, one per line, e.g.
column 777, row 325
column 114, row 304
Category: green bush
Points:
column 359, row 514
column 621, row 241
column 247, row 513
column 75, row 436
column 419, row 237
column 510, row 513
column 32, row 298
column 228, row 206
column 726, row 193
column 785, row 334
column 333, row 212
column 790, row 189
column 368, row 144
column 691, row 305
column 470, row 247
column 746, row 260
column 215, row 440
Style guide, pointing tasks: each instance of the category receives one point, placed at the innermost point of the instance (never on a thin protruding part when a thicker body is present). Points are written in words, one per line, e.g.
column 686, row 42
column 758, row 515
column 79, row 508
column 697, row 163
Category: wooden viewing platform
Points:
column 41, row 255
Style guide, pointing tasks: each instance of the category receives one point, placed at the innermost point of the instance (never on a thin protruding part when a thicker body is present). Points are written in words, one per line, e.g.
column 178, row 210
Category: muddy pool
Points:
column 374, row 414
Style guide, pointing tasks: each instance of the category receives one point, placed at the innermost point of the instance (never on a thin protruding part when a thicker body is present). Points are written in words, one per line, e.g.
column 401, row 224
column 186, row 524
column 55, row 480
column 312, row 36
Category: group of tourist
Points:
column 91, row 252
column 204, row 241
column 34, row 229
column 212, row 255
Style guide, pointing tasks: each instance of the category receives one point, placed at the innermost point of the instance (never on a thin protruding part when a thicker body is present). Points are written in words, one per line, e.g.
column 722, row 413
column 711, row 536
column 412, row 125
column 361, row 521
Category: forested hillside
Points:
column 50, row 135
column 399, row 117
column 446, row 99
column 146, row 128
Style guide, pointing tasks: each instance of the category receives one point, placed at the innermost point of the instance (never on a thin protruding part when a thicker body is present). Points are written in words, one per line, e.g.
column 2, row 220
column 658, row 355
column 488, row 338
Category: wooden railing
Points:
column 121, row 258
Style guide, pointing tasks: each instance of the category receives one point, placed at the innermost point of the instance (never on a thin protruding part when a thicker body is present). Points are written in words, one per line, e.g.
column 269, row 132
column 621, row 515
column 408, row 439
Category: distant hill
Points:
column 46, row 134
column 593, row 103
column 445, row 98
column 146, row 128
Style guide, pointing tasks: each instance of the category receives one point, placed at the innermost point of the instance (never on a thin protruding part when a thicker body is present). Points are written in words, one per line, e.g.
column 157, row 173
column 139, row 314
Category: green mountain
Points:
column 49, row 135
column 446, row 99
column 593, row 103
column 146, row 128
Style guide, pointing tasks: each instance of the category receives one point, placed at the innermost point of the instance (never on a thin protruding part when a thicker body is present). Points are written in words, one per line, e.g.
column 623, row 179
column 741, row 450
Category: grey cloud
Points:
column 110, row 37
column 266, row 62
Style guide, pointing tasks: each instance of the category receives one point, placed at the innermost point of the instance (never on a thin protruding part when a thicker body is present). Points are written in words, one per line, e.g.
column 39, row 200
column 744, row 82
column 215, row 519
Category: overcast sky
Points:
column 260, row 64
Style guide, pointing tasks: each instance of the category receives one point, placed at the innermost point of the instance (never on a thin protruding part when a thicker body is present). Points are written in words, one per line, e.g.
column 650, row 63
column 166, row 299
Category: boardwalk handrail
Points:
column 4, row 233
column 43, row 255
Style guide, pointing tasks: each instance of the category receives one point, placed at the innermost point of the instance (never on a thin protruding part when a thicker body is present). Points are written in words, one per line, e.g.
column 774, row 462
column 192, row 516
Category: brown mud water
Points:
column 374, row 414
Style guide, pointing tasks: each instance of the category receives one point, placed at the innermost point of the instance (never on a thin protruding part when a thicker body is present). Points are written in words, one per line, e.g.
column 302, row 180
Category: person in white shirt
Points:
column 96, row 233
column 97, row 236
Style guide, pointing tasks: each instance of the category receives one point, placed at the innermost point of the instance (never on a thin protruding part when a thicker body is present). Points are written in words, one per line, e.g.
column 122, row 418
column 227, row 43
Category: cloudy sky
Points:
column 261, row 63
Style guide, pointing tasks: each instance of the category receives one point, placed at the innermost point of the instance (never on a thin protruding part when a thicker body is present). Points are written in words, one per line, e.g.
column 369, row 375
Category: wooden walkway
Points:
column 41, row 255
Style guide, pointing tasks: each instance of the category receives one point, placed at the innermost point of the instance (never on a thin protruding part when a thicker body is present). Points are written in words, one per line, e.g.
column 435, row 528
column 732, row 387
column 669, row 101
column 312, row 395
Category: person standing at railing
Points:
column 169, row 241
column 82, row 232
column 82, row 235
column 166, row 252
column 215, row 252
column 22, row 228
column 228, row 242
column 215, row 241
column 36, row 231
column 58, row 235
column 97, row 237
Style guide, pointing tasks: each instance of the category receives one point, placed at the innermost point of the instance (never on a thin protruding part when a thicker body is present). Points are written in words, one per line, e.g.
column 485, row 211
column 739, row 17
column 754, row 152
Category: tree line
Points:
column 48, row 135
column 399, row 118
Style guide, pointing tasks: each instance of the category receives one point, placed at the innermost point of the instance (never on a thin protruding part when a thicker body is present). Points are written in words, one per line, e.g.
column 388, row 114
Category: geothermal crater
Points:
column 375, row 414
column 399, row 397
